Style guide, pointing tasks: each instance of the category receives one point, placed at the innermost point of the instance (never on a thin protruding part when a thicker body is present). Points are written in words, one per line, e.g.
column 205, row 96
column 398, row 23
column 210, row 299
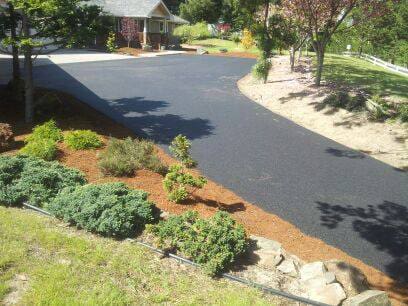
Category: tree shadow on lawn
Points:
column 384, row 225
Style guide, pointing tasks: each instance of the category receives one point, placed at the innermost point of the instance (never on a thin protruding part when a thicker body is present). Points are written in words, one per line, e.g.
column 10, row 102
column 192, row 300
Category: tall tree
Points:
column 200, row 10
column 322, row 18
column 51, row 23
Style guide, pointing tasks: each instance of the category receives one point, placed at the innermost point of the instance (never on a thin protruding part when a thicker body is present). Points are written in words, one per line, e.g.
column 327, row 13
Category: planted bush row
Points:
column 42, row 142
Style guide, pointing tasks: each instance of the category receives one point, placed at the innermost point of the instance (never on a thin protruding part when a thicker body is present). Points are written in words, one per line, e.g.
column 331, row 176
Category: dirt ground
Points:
column 294, row 96
column 207, row 201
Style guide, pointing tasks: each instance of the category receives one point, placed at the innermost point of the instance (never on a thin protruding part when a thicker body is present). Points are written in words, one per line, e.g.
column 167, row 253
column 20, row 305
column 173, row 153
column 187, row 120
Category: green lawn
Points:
column 213, row 45
column 358, row 72
column 68, row 267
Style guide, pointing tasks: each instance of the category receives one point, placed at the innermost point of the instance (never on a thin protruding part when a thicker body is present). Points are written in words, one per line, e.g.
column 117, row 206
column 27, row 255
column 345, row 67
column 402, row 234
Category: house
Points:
column 155, row 23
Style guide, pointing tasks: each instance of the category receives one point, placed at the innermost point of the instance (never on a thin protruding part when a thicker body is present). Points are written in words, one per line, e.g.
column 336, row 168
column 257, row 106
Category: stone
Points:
column 265, row 253
column 201, row 51
column 369, row 298
column 351, row 278
column 164, row 215
column 312, row 269
column 318, row 281
column 288, row 267
column 332, row 294
column 330, row 277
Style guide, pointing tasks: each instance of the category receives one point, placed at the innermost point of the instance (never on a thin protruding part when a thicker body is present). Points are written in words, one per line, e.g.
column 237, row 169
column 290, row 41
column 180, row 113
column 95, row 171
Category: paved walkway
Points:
column 346, row 198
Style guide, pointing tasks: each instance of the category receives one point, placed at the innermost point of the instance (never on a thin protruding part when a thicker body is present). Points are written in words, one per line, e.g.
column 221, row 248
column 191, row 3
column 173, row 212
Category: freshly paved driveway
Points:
column 347, row 199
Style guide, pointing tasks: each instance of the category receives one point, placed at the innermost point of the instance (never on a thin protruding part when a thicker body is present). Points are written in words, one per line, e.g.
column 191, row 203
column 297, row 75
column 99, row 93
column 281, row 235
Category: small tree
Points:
column 320, row 19
column 50, row 23
column 129, row 29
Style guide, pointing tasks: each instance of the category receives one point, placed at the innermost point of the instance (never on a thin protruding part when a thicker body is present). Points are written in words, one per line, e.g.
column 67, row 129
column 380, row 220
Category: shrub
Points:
column 236, row 38
column 337, row 99
column 402, row 111
column 124, row 157
column 180, row 148
column 6, row 136
column 109, row 209
column 111, row 42
column 82, row 140
column 177, row 181
column 214, row 243
column 33, row 180
column 188, row 33
column 47, row 130
column 261, row 69
column 379, row 111
column 45, row 149
column 247, row 39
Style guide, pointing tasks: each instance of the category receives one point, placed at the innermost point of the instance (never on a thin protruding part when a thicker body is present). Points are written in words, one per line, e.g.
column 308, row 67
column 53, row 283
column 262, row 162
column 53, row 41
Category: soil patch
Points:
column 294, row 96
column 206, row 201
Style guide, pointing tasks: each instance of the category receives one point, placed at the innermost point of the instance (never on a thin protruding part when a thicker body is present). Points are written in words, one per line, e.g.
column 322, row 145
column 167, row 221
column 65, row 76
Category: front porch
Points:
column 155, row 32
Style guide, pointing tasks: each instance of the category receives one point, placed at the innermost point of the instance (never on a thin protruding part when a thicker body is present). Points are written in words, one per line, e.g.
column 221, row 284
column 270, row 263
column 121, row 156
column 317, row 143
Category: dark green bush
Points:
column 180, row 148
column 82, row 140
column 47, row 130
column 177, row 182
column 110, row 209
column 261, row 69
column 402, row 111
column 45, row 149
column 32, row 180
column 214, row 243
column 125, row 157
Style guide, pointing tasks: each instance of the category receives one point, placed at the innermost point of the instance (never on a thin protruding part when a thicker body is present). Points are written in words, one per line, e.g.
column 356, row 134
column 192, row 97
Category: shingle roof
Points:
column 131, row 8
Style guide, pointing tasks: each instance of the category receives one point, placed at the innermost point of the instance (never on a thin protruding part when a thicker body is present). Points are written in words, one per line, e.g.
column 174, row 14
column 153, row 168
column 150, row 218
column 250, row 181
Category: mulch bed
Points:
column 206, row 201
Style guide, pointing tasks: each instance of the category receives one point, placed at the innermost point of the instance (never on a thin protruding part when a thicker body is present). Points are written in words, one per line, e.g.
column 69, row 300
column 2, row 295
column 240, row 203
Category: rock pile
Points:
column 331, row 282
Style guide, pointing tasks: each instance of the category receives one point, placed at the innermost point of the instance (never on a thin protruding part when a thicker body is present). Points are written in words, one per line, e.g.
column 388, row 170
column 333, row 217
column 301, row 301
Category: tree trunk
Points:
column 14, row 48
column 28, row 74
column 300, row 53
column 319, row 48
column 292, row 58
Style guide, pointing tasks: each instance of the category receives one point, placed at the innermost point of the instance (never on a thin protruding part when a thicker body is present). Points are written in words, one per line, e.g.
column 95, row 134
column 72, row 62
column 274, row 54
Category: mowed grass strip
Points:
column 362, row 74
column 213, row 45
column 64, row 266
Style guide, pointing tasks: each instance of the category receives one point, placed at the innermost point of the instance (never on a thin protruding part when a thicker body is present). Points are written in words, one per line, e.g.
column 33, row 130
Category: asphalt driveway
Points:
column 347, row 199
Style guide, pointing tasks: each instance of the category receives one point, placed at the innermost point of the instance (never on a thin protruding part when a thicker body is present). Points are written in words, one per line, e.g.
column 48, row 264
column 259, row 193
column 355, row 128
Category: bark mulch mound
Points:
column 206, row 201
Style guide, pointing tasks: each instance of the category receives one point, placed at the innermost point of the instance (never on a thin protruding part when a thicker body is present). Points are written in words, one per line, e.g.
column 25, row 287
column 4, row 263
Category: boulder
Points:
column 288, row 267
column 201, row 51
column 265, row 253
column 351, row 278
column 311, row 270
column 369, row 298
column 332, row 294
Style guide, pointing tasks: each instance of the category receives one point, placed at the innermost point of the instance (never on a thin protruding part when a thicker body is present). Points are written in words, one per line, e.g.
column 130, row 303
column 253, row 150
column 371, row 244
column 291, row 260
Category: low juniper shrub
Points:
column 178, row 183
column 82, row 140
column 33, row 180
column 111, row 209
column 213, row 243
column 180, row 148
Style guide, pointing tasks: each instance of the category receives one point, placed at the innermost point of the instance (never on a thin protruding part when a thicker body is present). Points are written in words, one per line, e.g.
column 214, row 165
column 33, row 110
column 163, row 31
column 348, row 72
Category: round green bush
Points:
column 261, row 69
column 82, row 140
column 110, row 209
column 45, row 149
column 214, row 243
column 48, row 130
column 32, row 180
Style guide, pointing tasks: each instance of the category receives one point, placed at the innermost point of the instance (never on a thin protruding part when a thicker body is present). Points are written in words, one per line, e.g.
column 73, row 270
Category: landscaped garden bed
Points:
column 207, row 200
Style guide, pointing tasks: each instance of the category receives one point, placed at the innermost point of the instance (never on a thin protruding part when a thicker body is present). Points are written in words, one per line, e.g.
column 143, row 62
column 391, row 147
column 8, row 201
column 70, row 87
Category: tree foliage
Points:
column 129, row 29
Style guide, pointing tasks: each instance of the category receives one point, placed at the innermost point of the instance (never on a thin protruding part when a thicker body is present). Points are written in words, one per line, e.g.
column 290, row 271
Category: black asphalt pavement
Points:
column 346, row 198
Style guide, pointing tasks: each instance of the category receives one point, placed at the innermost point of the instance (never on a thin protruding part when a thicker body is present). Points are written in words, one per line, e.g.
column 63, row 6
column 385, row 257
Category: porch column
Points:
column 145, row 32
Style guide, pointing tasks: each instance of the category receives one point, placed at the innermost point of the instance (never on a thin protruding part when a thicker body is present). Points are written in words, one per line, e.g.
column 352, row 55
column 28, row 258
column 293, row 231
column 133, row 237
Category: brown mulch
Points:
column 207, row 201
column 131, row 51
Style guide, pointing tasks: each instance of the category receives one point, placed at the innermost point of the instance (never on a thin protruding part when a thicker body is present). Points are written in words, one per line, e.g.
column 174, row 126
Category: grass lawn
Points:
column 358, row 72
column 62, row 266
column 213, row 45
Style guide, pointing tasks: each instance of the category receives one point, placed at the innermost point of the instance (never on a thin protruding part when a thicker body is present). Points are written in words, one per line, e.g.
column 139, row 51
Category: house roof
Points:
column 133, row 8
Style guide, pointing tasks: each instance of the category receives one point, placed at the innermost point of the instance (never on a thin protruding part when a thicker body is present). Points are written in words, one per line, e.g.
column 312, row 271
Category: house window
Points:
column 161, row 26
